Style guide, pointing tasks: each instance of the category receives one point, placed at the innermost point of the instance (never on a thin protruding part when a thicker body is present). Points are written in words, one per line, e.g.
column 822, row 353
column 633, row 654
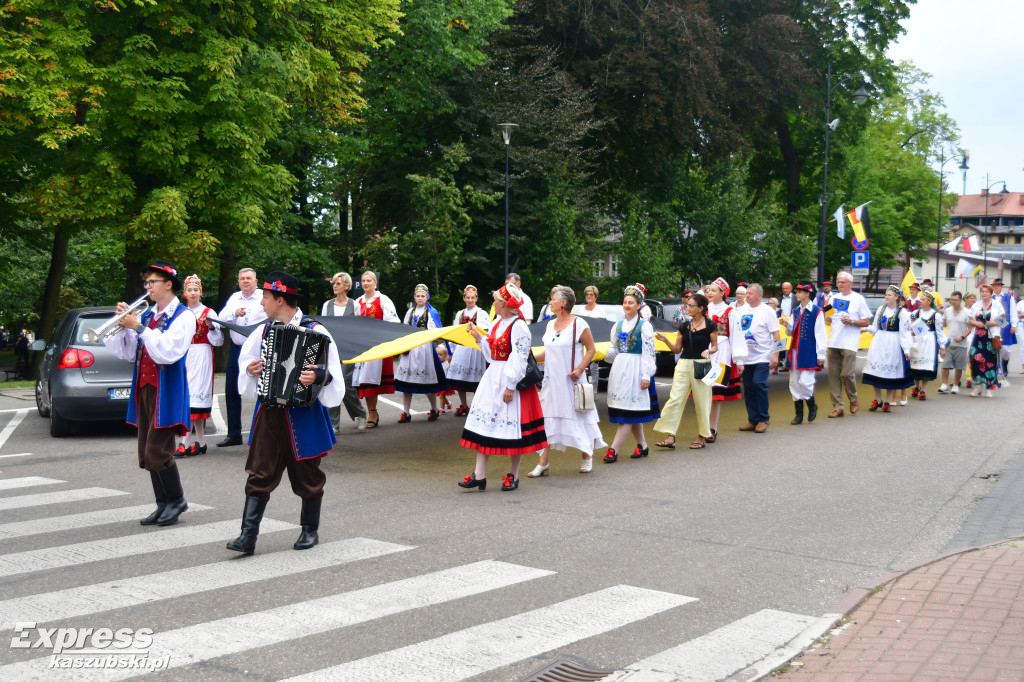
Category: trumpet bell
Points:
column 111, row 326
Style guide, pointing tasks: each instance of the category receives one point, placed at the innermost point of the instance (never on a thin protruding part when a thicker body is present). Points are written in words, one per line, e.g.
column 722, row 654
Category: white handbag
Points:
column 582, row 391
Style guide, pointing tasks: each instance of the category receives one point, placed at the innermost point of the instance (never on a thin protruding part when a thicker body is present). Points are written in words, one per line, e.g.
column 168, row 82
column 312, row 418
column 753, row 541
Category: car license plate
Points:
column 120, row 393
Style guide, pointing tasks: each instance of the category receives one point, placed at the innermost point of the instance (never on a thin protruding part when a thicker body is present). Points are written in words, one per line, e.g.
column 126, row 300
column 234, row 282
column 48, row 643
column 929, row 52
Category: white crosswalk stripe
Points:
column 54, row 524
column 116, row 594
column 724, row 651
column 26, row 482
column 505, row 641
column 130, row 545
column 60, row 497
column 19, row 416
column 206, row 641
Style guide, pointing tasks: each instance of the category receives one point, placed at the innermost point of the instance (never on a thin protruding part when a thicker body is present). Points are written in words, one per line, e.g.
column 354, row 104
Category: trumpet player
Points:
column 291, row 439
column 158, row 341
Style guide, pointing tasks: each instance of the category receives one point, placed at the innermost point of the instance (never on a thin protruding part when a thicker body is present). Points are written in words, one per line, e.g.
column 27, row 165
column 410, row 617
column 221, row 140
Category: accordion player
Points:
column 286, row 352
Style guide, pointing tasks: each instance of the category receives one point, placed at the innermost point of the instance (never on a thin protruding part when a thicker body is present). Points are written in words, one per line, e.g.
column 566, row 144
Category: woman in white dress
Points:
column 591, row 309
column 340, row 306
column 199, row 366
column 419, row 370
column 568, row 350
column 632, row 399
column 931, row 340
column 376, row 377
column 503, row 420
column 887, row 367
column 467, row 365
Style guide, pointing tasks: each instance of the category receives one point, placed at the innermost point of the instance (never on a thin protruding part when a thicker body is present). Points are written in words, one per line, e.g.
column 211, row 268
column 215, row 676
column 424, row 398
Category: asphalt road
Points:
column 785, row 521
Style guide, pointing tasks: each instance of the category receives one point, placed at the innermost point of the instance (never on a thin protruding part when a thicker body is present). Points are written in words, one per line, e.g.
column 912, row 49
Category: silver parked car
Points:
column 80, row 380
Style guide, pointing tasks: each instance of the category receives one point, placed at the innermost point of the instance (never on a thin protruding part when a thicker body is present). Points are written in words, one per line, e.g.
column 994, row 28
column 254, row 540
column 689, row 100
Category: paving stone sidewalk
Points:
column 960, row 617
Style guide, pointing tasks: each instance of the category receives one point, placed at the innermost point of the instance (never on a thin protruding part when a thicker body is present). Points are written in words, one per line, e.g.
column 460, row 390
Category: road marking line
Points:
column 116, row 594
column 400, row 406
column 205, row 641
column 157, row 540
column 818, row 627
column 39, row 499
column 53, row 524
column 16, row 409
column 20, row 454
column 215, row 415
column 19, row 415
column 724, row 651
column 26, row 482
column 482, row 648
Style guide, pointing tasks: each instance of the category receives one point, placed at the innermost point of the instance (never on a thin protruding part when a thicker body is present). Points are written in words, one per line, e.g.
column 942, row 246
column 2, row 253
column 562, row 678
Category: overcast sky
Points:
column 975, row 55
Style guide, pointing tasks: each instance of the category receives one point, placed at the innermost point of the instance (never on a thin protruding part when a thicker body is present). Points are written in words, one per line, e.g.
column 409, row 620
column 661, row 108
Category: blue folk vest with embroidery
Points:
column 310, row 428
column 631, row 343
column 806, row 349
column 172, row 397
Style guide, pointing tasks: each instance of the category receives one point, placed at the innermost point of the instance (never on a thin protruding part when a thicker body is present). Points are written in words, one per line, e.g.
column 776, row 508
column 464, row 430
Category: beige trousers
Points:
column 683, row 384
column 842, row 373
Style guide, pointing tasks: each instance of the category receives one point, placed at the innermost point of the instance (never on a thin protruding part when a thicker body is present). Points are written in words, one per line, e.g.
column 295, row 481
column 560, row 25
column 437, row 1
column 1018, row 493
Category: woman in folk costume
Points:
column 467, row 365
column 376, row 377
column 987, row 318
column 199, row 365
column 731, row 388
column 568, row 350
column 888, row 363
column 808, row 342
column 503, row 420
column 419, row 370
column 931, row 343
column 632, row 398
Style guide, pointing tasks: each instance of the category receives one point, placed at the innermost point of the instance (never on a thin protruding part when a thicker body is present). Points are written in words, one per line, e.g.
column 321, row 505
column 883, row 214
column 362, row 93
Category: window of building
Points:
column 615, row 266
column 950, row 270
column 999, row 239
column 917, row 266
column 1016, row 240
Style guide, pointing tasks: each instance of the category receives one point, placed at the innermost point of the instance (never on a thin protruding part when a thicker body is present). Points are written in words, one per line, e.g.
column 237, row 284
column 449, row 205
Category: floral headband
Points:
column 194, row 280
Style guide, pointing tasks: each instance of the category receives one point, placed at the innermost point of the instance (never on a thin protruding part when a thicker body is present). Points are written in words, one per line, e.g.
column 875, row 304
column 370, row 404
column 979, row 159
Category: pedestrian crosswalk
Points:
column 329, row 609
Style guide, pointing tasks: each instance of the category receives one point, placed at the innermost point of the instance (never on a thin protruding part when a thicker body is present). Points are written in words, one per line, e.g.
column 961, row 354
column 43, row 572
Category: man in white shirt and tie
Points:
column 243, row 308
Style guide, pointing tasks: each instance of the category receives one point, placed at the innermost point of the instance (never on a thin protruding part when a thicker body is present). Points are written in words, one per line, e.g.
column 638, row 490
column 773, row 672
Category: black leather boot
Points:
column 310, row 520
column 252, row 514
column 812, row 409
column 161, row 500
column 799, row 418
column 176, row 503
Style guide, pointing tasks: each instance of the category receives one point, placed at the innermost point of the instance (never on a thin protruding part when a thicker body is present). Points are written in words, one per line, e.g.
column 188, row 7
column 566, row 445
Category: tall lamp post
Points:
column 506, row 134
column 942, row 164
column 859, row 97
column 984, row 256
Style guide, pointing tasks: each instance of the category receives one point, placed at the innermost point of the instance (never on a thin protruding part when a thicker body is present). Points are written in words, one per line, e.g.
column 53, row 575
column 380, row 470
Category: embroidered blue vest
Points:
column 312, row 434
column 172, row 397
column 803, row 344
column 633, row 342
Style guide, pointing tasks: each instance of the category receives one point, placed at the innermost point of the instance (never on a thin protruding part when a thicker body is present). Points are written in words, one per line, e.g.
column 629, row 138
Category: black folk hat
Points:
column 281, row 282
column 164, row 269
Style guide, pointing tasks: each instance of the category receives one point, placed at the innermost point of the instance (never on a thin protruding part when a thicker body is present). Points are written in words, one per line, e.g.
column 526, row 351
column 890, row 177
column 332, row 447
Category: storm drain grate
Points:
column 566, row 671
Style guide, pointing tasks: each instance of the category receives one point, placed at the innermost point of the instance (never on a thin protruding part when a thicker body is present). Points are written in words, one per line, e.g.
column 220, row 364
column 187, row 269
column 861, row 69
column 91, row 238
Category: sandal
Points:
column 698, row 444
column 372, row 423
column 671, row 444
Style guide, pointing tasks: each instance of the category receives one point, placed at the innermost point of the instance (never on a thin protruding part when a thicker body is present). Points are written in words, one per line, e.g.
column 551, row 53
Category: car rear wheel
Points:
column 59, row 426
column 42, row 400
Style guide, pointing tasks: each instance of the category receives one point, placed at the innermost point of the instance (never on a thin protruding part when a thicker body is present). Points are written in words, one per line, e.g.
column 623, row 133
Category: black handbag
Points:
column 534, row 374
column 700, row 367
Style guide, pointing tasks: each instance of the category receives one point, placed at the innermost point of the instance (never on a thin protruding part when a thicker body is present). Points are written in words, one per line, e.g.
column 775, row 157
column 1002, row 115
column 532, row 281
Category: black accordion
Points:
column 287, row 351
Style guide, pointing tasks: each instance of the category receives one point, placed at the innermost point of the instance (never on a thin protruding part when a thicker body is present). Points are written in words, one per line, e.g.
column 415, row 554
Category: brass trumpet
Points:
column 111, row 327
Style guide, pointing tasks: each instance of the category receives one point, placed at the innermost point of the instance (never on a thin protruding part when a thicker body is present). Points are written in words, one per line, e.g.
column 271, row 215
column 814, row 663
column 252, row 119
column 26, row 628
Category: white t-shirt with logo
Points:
column 758, row 325
column 847, row 336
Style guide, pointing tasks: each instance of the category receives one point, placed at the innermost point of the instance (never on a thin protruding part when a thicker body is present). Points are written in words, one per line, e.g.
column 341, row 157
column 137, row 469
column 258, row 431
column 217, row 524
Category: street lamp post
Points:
column 506, row 134
column 938, row 230
column 859, row 97
column 984, row 255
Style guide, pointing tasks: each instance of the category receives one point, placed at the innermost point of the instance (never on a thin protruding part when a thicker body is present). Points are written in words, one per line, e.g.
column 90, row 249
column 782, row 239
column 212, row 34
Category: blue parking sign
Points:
column 860, row 262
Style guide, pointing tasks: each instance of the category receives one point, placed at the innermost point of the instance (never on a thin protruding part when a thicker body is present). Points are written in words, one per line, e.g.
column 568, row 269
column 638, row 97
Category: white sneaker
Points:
column 955, row 389
column 1005, row 382
column 361, row 423
column 944, row 388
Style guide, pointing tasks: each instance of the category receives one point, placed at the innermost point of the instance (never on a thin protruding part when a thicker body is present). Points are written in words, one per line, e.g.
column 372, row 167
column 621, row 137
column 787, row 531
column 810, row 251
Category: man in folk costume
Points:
column 913, row 301
column 286, row 438
column 824, row 296
column 158, row 342
column 1009, row 332
column 808, row 342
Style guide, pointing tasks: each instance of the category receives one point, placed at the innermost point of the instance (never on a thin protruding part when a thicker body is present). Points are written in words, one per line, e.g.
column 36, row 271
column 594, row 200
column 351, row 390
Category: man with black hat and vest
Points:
column 286, row 438
column 158, row 341
column 808, row 341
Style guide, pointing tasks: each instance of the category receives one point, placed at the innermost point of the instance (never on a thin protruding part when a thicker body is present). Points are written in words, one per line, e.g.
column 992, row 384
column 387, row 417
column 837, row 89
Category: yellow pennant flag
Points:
column 908, row 279
column 455, row 333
